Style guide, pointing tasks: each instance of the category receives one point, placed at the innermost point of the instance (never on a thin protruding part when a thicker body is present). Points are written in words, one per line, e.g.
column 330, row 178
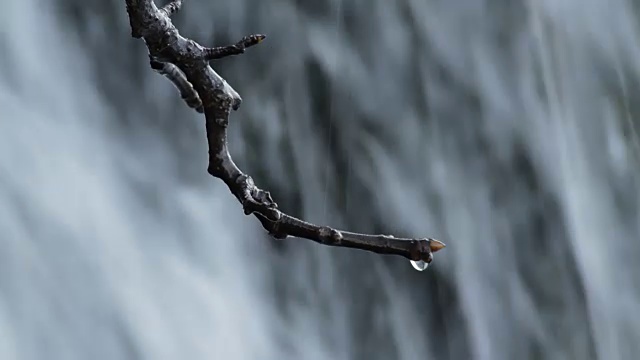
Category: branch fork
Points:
column 186, row 64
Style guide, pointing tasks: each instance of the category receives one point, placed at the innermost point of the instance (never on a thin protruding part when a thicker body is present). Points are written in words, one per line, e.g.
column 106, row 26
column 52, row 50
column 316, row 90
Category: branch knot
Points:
column 257, row 200
column 421, row 250
column 329, row 235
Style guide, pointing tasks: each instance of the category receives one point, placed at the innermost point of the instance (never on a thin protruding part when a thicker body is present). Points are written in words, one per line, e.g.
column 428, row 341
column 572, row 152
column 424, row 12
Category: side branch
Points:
column 229, row 50
column 186, row 64
column 178, row 78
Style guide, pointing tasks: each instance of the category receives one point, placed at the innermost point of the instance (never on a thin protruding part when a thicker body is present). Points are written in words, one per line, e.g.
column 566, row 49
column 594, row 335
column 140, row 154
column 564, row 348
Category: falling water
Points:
column 505, row 128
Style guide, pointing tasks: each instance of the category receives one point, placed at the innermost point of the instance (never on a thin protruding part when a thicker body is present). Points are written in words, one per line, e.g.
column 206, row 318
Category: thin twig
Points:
column 177, row 77
column 237, row 49
column 186, row 64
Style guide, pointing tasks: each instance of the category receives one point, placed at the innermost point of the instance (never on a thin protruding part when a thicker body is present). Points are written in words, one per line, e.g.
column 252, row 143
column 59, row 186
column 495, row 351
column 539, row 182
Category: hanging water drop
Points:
column 434, row 246
column 419, row 265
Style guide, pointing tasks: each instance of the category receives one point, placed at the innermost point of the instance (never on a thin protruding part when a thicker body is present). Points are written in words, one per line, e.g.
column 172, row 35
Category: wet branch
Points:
column 186, row 64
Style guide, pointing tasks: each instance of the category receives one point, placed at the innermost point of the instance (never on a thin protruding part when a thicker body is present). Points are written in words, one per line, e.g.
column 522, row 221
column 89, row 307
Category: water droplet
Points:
column 419, row 265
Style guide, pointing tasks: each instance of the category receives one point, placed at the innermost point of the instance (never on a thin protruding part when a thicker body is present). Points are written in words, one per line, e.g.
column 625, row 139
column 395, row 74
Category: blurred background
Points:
column 505, row 128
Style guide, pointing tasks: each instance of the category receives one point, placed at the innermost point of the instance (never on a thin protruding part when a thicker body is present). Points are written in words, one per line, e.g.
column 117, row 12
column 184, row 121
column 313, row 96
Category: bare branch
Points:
column 186, row 64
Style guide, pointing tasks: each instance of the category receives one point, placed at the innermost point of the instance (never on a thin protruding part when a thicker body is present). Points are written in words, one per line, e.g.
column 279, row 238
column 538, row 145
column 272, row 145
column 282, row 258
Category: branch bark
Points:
column 186, row 64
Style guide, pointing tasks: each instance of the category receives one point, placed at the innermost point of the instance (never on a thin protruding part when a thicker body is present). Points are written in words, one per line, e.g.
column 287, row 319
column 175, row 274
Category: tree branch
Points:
column 186, row 64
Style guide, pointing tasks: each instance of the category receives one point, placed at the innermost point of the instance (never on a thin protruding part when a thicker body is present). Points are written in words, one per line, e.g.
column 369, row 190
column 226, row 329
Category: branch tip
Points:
column 436, row 245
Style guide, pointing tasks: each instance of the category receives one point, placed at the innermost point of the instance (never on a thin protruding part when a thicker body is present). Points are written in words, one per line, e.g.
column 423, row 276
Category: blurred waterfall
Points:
column 506, row 128
column 105, row 254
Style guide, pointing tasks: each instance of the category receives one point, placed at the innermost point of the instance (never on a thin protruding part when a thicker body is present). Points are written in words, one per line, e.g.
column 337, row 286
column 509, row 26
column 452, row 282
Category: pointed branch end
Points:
column 436, row 245
column 252, row 40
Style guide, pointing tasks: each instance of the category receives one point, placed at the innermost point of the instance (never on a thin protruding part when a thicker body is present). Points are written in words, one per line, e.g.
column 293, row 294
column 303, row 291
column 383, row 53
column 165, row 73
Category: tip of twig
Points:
column 436, row 245
column 251, row 40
